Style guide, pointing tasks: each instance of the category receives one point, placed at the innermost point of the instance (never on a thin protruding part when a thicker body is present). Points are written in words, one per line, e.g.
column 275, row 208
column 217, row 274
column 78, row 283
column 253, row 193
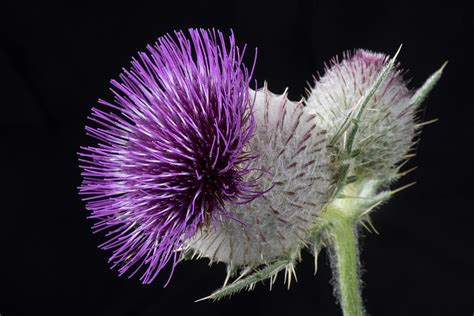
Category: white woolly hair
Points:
column 291, row 151
column 387, row 127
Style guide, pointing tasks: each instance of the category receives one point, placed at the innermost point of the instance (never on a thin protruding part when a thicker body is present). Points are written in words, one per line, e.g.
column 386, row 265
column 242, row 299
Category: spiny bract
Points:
column 291, row 151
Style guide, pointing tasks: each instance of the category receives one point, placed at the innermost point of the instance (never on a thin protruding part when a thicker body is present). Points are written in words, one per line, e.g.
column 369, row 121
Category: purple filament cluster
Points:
column 171, row 149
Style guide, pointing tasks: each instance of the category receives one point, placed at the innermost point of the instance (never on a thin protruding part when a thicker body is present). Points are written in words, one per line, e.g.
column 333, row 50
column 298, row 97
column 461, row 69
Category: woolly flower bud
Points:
column 386, row 128
column 171, row 149
column 291, row 151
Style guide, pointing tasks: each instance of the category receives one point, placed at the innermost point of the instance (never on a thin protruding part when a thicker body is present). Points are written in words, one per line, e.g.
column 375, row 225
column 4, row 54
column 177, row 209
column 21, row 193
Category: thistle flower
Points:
column 386, row 130
column 291, row 151
column 190, row 158
column 172, row 154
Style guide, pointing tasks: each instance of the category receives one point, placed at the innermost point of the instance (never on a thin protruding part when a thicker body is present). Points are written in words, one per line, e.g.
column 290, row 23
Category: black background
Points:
column 57, row 59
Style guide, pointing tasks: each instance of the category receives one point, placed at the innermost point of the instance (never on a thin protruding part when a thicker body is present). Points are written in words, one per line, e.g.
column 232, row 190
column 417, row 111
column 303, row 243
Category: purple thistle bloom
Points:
column 171, row 149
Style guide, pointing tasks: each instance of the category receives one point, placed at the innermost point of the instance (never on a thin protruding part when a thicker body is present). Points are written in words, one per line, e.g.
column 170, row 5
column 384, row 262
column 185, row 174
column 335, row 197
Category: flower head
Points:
column 291, row 149
column 172, row 149
column 387, row 127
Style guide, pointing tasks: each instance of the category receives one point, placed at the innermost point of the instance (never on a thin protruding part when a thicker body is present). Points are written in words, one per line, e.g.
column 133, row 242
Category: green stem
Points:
column 343, row 237
column 338, row 225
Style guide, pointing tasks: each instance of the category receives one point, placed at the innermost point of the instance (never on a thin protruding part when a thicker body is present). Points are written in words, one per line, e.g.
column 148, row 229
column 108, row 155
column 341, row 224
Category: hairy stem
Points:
column 343, row 238
column 345, row 249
